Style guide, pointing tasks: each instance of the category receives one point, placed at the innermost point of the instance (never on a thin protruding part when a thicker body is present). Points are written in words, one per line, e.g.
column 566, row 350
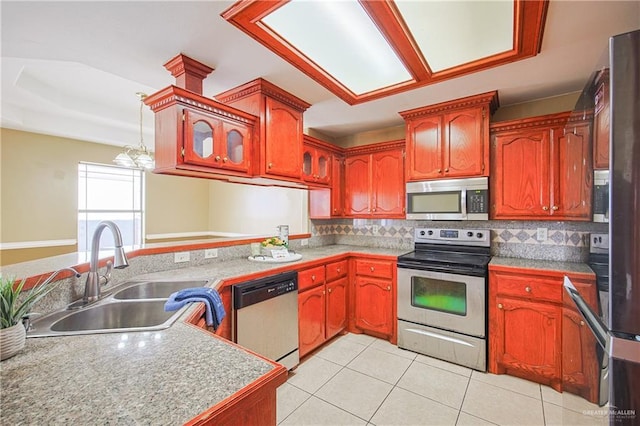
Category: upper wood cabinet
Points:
column 601, row 121
column 197, row 136
column 213, row 142
column 280, row 134
column 450, row 139
column 316, row 162
column 374, row 181
column 541, row 169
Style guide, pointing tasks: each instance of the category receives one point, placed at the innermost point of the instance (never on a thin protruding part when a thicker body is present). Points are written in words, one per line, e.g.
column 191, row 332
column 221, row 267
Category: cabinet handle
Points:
column 527, row 289
column 339, row 270
column 270, row 165
column 374, row 209
column 554, row 207
column 388, row 288
column 545, row 208
column 372, row 269
column 224, row 160
column 313, row 277
column 217, row 158
column 499, row 305
column 439, row 170
column 581, row 322
column 446, row 170
column 329, row 290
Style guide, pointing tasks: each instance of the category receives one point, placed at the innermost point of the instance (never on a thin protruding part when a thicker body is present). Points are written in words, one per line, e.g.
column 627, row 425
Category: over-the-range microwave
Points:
column 450, row 199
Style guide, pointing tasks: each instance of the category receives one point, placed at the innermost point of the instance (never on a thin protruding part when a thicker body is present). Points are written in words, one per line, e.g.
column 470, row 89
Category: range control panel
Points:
column 476, row 237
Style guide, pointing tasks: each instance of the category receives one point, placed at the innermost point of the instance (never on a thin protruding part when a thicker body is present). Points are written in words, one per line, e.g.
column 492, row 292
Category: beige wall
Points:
column 544, row 106
column 38, row 201
column 252, row 209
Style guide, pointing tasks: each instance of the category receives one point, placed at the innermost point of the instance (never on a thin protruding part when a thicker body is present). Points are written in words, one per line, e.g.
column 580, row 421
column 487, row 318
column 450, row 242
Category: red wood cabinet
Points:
column 213, row 142
column 601, row 121
column 450, row 139
column 336, row 304
column 541, row 169
column 374, row 297
column 280, row 148
column 316, row 165
column 197, row 136
column 337, row 185
column 374, row 184
column 536, row 333
column 322, row 304
column 311, row 319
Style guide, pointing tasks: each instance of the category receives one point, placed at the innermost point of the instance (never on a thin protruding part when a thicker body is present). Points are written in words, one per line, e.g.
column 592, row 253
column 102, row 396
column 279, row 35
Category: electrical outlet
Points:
column 541, row 234
column 210, row 253
column 182, row 256
column 304, row 242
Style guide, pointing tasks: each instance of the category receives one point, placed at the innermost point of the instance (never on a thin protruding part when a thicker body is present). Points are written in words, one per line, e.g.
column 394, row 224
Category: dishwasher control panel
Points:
column 262, row 289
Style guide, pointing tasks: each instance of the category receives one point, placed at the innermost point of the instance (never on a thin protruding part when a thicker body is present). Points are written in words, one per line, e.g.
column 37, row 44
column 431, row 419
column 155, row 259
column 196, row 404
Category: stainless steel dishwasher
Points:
column 266, row 317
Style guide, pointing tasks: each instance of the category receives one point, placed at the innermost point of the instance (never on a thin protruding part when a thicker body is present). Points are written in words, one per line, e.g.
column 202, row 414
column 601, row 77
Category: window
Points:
column 110, row 193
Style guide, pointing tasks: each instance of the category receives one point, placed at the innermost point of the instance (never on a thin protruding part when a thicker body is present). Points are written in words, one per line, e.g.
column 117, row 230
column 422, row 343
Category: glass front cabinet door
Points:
column 212, row 142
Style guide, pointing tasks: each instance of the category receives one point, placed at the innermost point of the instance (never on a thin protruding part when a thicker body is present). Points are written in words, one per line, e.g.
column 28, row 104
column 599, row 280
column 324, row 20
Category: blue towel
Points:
column 214, row 309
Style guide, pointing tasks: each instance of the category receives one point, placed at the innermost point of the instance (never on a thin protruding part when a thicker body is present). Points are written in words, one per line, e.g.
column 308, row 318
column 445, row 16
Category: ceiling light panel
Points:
column 340, row 38
column 452, row 33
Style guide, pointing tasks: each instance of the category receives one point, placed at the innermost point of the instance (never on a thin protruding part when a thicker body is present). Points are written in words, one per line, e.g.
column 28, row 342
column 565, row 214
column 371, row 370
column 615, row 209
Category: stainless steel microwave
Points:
column 601, row 196
column 450, row 199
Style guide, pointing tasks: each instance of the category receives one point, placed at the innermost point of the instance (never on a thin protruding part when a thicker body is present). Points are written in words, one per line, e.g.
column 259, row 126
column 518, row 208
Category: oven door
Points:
column 443, row 300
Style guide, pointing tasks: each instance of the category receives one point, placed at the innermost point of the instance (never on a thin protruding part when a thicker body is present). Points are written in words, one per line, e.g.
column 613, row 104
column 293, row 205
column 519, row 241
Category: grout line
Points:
column 463, row 397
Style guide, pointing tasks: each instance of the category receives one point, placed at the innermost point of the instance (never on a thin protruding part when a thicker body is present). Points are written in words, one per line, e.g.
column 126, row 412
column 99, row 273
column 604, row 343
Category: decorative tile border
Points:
column 364, row 230
column 528, row 236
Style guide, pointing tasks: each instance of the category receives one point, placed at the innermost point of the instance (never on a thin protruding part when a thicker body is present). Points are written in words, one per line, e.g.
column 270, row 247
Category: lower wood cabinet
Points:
column 374, row 297
column 322, row 304
column 536, row 333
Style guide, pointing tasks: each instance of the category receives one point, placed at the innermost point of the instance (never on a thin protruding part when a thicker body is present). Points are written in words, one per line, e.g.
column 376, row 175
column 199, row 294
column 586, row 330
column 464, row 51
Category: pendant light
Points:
column 139, row 157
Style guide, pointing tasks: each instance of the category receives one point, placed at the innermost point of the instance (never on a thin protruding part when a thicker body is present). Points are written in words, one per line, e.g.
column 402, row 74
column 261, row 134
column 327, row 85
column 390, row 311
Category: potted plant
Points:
column 13, row 307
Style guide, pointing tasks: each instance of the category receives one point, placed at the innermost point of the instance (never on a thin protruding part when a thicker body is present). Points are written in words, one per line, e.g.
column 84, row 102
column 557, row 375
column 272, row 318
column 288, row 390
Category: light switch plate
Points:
column 541, row 234
column 182, row 256
column 210, row 253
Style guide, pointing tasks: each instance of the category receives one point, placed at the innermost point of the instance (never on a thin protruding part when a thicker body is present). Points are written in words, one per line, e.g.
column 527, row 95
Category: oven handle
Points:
column 458, row 270
column 439, row 336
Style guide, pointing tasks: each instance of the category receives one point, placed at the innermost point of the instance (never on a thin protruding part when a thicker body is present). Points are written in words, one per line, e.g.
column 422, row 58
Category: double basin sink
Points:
column 131, row 306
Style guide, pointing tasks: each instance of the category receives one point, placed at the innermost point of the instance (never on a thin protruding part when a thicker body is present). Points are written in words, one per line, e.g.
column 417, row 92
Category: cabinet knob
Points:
column 313, row 277
column 545, row 208
column 439, row 170
column 372, row 269
column 374, row 210
column 527, row 289
column 581, row 322
column 388, row 288
column 217, row 158
column 446, row 170
column 554, row 207
column 224, row 160
column 499, row 305
column 270, row 165
column 329, row 290
column 339, row 270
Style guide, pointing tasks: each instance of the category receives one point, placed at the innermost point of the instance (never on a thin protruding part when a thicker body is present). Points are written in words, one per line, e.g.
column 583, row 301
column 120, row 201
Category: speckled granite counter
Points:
column 163, row 377
column 547, row 265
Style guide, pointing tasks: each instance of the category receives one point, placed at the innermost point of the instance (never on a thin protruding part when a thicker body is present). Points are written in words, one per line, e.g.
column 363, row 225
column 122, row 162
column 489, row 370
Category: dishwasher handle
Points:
column 259, row 290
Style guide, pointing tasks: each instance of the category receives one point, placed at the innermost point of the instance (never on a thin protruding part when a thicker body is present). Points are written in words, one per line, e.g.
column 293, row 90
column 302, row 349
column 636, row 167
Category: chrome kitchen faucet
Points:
column 94, row 279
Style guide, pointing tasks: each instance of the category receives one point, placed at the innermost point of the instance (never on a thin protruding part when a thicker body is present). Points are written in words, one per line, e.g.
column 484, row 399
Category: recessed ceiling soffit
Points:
column 365, row 50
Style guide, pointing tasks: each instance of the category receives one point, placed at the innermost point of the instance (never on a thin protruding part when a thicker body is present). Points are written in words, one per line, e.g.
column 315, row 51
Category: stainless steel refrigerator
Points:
column 620, row 338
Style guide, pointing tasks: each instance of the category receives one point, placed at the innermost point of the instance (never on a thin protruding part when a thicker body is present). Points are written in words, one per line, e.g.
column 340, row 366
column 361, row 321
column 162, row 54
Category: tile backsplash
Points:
column 565, row 241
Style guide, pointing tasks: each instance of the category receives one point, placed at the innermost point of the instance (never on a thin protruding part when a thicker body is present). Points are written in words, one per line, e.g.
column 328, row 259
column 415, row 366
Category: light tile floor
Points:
column 361, row 380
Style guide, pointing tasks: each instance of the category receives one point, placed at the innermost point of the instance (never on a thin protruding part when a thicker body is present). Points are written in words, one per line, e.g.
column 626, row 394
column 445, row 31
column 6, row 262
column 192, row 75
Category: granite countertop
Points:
column 162, row 377
column 547, row 265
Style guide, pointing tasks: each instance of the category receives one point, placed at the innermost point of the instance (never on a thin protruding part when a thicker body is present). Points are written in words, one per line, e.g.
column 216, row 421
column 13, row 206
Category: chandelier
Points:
column 136, row 157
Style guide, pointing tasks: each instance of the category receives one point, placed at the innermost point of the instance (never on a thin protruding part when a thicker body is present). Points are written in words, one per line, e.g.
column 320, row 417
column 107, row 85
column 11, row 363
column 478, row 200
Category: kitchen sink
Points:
column 131, row 306
column 154, row 289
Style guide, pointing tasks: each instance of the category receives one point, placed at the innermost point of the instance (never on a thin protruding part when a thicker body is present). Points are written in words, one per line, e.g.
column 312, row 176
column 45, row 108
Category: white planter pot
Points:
column 12, row 340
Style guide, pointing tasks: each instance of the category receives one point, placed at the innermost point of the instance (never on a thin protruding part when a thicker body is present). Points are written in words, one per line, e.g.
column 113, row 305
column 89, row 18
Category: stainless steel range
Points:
column 442, row 291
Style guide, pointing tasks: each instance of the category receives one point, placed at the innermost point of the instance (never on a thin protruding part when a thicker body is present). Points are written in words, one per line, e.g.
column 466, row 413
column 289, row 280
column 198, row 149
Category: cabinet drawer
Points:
column 336, row 270
column 374, row 268
column 310, row 278
column 529, row 287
